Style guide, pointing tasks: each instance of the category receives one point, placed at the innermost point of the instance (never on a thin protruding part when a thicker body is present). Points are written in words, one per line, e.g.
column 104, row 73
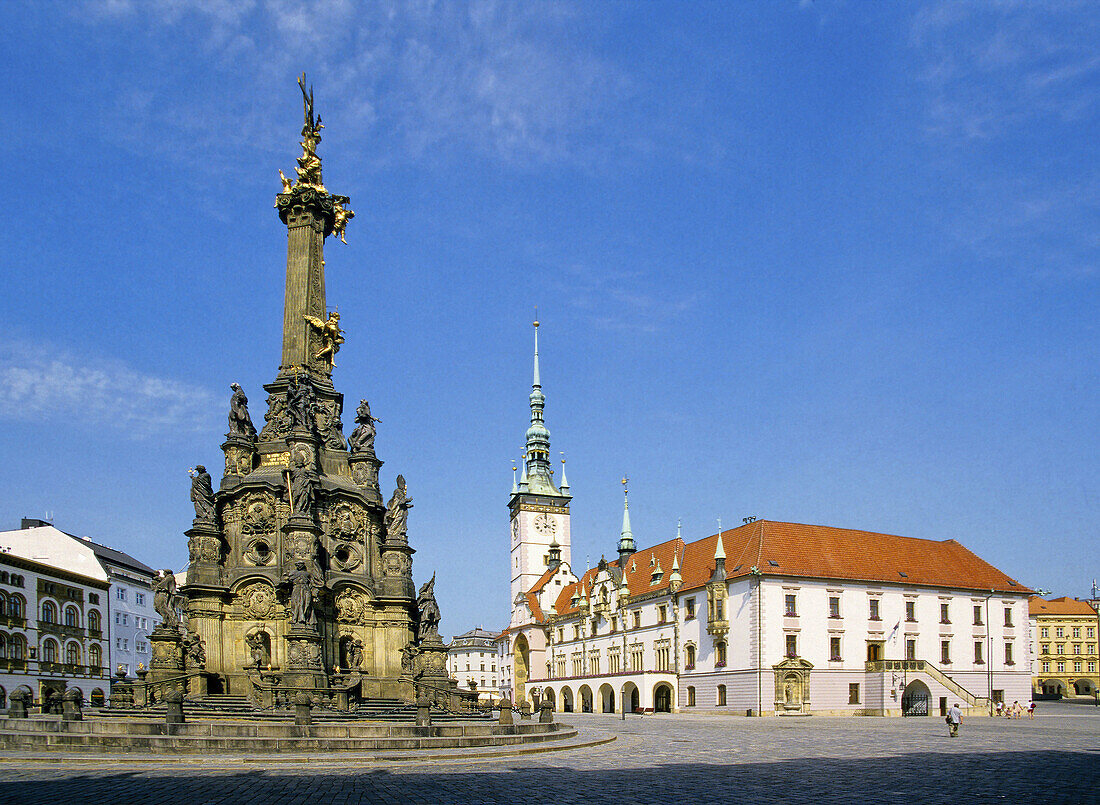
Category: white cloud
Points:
column 990, row 66
column 517, row 82
column 40, row 385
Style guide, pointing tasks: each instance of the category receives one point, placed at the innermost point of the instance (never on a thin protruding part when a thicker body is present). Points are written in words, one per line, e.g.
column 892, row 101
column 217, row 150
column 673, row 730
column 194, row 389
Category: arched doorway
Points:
column 607, row 698
column 548, row 694
column 631, row 698
column 915, row 699
column 97, row 698
column 522, row 654
column 1084, row 687
column 662, row 698
column 585, row 696
column 1055, row 687
column 566, row 700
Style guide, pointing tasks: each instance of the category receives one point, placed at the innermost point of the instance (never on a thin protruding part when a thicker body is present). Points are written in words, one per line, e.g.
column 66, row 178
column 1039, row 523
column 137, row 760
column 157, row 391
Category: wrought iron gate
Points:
column 915, row 703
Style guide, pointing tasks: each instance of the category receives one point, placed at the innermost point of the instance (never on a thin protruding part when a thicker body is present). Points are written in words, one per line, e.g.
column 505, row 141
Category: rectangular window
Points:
column 1046, row 667
column 93, row 598
column 120, row 593
column 792, row 645
column 874, row 610
column 978, row 652
column 638, row 619
column 1008, row 616
column 143, row 647
column 911, row 611
column 853, row 693
column 139, row 599
column 1009, row 658
column 1088, row 632
column 1061, row 667
column 1092, row 667
column 118, row 642
column 945, row 613
column 125, row 619
column 1077, row 667
column 977, row 614
column 834, row 649
column 1044, row 648
column 1076, row 648
column 945, row 652
column 911, row 649
column 790, row 603
column 1044, row 632
column 576, row 631
column 614, row 623
column 118, row 618
column 834, row 606
column 662, row 613
column 1059, row 648
column 689, row 608
column 561, row 634
column 1076, row 630
column 1059, row 631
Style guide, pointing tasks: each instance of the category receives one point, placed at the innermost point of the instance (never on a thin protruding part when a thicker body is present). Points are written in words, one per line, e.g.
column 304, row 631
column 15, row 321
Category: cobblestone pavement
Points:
column 656, row 759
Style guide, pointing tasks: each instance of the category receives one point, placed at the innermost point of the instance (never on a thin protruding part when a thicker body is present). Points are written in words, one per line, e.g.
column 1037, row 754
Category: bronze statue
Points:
column 287, row 186
column 303, row 486
column 397, row 513
column 304, row 585
column 202, row 494
column 331, row 337
column 429, row 610
column 362, row 438
column 240, row 423
column 165, row 599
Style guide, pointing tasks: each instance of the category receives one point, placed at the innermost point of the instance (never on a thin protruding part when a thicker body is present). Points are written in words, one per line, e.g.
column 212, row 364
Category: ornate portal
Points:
column 297, row 566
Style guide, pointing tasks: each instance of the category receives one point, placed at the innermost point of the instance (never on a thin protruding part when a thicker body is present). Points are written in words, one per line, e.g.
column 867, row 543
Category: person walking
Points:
column 954, row 719
column 1031, row 711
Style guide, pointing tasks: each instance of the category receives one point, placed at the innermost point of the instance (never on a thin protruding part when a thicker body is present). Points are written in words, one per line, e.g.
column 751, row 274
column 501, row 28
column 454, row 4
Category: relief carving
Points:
column 257, row 600
column 351, row 606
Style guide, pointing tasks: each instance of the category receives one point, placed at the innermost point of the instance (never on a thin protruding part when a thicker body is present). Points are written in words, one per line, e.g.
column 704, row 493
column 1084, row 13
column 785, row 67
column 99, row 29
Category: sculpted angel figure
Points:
column 309, row 164
column 331, row 337
column 202, row 494
column 341, row 218
column 397, row 513
column 240, row 423
column 362, row 438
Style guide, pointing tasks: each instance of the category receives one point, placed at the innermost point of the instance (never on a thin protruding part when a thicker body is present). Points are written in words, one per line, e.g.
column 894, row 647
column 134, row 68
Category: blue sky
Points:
column 825, row 262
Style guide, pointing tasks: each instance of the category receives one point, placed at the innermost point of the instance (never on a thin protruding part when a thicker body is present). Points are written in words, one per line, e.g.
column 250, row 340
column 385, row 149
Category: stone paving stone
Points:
column 655, row 759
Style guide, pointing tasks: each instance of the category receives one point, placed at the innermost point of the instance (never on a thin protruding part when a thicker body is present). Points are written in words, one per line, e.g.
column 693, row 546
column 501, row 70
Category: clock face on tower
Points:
column 545, row 525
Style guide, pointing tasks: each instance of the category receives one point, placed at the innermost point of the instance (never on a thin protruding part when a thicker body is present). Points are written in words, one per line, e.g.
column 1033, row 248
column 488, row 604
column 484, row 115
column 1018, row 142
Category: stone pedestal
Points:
column 423, row 711
column 204, row 547
column 240, row 457
column 546, row 712
column 506, row 711
column 302, row 715
column 364, row 472
column 173, row 713
column 300, row 539
column 72, row 705
column 18, row 703
column 167, row 660
column 303, row 651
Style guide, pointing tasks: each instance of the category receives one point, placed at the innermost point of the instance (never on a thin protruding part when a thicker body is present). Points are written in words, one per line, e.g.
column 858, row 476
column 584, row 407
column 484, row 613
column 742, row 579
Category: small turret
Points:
column 719, row 561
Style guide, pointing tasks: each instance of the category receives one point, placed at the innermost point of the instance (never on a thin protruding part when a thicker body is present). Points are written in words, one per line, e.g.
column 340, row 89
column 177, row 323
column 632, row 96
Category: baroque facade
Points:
column 300, row 575
column 1064, row 638
column 473, row 663
column 770, row 618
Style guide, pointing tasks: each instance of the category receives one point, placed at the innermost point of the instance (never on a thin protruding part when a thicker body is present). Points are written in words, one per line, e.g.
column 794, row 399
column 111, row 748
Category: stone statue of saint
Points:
column 202, row 494
column 304, row 583
column 408, row 657
column 429, row 610
column 397, row 513
column 301, row 404
column 355, row 655
column 303, row 486
column 165, row 599
column 362, row 438
column 240, row 423
column 194, row 649
column 331, row 337
column 256, row 649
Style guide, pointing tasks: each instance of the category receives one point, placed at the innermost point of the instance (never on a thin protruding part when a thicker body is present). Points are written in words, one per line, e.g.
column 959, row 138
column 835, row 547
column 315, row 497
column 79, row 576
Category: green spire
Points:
column 536, row 464
column 626, row 537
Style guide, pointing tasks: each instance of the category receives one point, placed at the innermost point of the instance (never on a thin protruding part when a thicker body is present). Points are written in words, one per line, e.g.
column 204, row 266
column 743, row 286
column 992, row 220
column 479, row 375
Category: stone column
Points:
column 308, row 214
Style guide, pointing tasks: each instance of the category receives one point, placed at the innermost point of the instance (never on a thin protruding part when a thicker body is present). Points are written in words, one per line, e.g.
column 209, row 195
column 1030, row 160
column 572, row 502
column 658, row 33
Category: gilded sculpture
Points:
column 330, row 334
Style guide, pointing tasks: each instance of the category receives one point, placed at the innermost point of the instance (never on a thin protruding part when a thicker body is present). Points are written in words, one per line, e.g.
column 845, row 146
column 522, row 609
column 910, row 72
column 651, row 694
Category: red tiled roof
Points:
column 533, row 605
column 1060, row 606
column 795, row 550
column 544, row 579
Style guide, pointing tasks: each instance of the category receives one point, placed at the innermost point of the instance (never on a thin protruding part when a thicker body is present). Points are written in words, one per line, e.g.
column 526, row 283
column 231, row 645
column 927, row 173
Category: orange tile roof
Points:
column 544, row 579
column 533, row 605
column 1060, row 606
column 796, row 550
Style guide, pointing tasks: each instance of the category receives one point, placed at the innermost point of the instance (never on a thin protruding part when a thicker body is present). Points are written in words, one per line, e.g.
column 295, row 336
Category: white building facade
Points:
column 472, row 657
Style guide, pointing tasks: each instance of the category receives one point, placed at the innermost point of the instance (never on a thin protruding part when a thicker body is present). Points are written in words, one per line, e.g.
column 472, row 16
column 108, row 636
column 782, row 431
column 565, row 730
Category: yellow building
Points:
column 1065, row 636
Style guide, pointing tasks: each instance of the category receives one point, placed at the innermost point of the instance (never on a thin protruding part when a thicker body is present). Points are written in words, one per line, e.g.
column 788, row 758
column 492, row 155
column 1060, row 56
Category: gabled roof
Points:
column 544, row 579
column 116, row 557
column 533, row 605
column 797, row 550
column 1060, row 606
